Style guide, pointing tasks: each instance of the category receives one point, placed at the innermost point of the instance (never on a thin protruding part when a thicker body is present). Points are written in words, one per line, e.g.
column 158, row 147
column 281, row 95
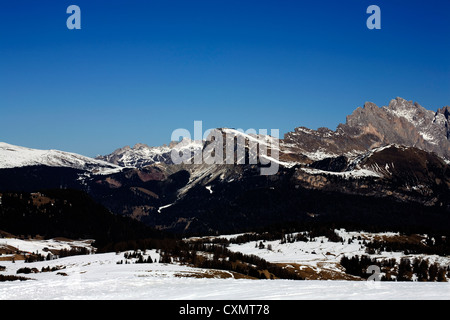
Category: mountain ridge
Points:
column 12, row 156
column 372, row 170
column 401, row 122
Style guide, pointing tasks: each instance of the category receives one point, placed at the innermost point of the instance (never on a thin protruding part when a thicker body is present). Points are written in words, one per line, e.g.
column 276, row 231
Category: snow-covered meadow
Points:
column 100, row 276
column 324, row 255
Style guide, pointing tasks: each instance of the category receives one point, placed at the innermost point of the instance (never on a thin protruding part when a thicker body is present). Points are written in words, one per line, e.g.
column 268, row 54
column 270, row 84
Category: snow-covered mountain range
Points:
column 378, row 186
column 12, row 156
column 402, row 122
column 141, row 155
column 397, row 153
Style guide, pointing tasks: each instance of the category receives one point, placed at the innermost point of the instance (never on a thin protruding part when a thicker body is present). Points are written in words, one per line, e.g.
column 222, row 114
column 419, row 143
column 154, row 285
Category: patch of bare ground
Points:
column 39, row 199
column 324, row 271
column 7, row 249
column 140, row 211
column 145, row 191
column 412, row 239
column 12, row 257
column 212, row 274
column 5, row 234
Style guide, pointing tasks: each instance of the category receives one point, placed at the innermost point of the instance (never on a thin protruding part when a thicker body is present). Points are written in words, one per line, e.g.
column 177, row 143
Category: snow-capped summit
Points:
column 12, row 156
column 141, row 155
column 402, row 122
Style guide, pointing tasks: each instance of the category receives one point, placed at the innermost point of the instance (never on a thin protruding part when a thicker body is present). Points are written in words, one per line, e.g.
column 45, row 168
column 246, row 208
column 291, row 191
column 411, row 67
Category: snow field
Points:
column 100, row 277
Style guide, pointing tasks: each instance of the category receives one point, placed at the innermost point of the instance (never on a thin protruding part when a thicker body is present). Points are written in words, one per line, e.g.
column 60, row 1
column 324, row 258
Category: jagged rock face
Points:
column 404, row 173
column 141, row 155
column 391, row 154
column 442, row 117
column 401, row 122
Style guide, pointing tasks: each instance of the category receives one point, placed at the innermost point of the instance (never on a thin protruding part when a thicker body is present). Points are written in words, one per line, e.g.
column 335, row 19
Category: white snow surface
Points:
column 99, row 277
column 357, row 173
column 141, row 154
column 38, row 246
column 322, row 253
column 12, row 156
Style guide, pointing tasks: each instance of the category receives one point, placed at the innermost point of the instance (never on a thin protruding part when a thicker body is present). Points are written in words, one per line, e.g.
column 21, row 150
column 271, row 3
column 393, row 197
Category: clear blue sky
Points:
column 137, row 70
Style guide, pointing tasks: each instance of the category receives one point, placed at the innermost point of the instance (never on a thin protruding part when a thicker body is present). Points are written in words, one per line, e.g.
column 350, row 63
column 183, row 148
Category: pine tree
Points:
column 441, row 275
column 404, row 270
column 433, row 272
column 423, row 271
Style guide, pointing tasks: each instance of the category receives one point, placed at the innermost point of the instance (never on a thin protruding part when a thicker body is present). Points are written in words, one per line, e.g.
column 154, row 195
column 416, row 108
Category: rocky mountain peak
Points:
column 402, row 122
column 138, row 146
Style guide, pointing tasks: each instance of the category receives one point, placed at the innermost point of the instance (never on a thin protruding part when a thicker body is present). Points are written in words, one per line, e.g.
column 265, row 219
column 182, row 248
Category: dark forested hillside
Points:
column 66, row 213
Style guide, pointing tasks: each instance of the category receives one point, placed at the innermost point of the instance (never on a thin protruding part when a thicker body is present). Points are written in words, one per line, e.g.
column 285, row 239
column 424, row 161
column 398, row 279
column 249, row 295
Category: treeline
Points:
column 205, row 255
column 290, row 235
column 138, row 256
column 140, row 244
column 68, row 213
column 436, row 244
column 27, row 270
column 12, row 278
column 74, row 251
column 224, row 259
column 405, row 270
column 251, row 204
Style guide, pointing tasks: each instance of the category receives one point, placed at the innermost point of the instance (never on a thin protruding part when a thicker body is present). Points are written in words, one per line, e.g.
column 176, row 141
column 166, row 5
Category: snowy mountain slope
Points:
column 42, row 246
column 402, row 122
column 15, row 156
column 430, row 125
column 141, row 155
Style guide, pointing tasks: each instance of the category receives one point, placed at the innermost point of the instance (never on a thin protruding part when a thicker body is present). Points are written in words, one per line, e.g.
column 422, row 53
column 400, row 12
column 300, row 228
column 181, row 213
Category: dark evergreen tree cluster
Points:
column 52, row 269
column 71, row 214
column 436, row 244
column 74, row 251
column 27, row 270
column 138, row 256
column 302, row 232
column 34, row 257
column 166, row 257
column 405, row 270
column 11, row 278
column 225, row 259
column 291, row 238
column 422, row 270
column 212, row 256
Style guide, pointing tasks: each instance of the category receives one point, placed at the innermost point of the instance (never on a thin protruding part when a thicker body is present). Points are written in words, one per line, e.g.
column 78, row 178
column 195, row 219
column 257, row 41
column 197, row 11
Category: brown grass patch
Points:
column 39, row 199
column 211, row 274
column 323, row 272
column 412, row 239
